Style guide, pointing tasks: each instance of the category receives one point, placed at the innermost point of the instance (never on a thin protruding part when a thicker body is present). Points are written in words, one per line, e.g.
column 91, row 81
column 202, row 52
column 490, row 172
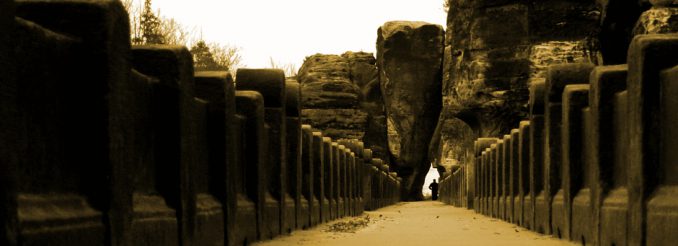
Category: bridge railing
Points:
column 104, row 143
column 595, row 160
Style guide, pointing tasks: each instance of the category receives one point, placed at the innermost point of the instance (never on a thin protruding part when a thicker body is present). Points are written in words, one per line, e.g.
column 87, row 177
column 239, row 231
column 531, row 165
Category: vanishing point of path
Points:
column 418, row 223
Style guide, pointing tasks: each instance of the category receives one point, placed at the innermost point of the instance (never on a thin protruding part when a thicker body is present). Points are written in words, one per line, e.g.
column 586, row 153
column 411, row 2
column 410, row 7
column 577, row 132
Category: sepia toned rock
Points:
column 409, row 58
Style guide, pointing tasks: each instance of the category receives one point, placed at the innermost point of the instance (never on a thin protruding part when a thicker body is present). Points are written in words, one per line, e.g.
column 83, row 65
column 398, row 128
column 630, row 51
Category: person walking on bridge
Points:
column 434, row 190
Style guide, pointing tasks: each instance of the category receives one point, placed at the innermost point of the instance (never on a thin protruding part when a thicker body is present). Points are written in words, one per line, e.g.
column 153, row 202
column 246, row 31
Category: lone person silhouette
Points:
column 434, row 190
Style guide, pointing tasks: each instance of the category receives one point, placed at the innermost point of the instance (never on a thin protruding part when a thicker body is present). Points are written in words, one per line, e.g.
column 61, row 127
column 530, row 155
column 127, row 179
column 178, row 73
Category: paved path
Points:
column 420, row 223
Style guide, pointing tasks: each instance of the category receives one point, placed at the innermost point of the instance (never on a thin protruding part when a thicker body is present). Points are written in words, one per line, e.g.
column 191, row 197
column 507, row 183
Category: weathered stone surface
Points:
column 326, row 83
column 648, row 55
column 337, row 123
column 334, row 85
column 271, row 84
column 495, row 49
column 452, row 145
column 9, row 131
column 252, row 161
column 65, row 131
column 174, row 131
column 661, row 219
column 575, row 99
column 605, row 82
column 409, row 57
column 330, row 95
column 657, row 20
column 219, row 90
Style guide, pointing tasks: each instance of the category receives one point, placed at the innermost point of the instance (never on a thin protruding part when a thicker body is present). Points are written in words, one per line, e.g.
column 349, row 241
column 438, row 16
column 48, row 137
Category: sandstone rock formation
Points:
column 341, row 96
column 409, row 58
column 494, row 49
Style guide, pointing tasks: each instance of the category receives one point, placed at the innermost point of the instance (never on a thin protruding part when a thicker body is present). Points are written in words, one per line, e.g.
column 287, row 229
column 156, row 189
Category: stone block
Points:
column 524, row 178
column 575, row 99
column 513, row 190
column 338, row 179
column 479, row 146
column 648, row 55
column 500, row 26
column 558, row 76
column 504, row 177
column 662, row 204
column 210, row 214
column 606, row 82
column 48, row 42
column 320, row 176
column 9, row 132
column 219, row 90
column 492, row 179
column 251, row 188
column 409, row 58
column 497, row 178
column 536, row 156
column 174, row 131
column 330, row 176
column 294, row 178
column 615, row 202
column 312, row 186
column 271, row 84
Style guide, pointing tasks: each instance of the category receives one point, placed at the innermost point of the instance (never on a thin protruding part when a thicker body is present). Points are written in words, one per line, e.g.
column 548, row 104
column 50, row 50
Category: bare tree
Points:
column 290, row 69
column 174, row 32
column 150, row 27
column 226, row 55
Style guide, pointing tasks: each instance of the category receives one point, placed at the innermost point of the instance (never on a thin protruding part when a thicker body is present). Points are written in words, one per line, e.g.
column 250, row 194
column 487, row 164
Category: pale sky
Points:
column 289, row 30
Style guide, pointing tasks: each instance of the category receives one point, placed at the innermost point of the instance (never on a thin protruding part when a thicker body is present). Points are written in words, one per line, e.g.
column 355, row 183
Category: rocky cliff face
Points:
column 341, row 96
column 409, row 58
column 494, row 49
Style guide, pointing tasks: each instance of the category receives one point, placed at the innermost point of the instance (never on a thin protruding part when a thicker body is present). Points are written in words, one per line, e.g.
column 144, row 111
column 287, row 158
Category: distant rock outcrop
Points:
column 341, row 97
column 409, row 58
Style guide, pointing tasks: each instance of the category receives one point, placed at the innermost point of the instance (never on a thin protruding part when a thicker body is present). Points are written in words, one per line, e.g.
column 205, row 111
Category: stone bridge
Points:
column 104, row 143
column 108, row 144
column 593, row 163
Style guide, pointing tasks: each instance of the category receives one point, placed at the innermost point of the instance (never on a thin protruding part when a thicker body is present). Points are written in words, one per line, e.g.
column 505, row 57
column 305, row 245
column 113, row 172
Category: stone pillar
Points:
column 214, row 183
column 279, row 204
column 558, row 76
column 352, row 175
column 409, row 59
column 52, row 132
column 661, row 219
column 251, row 148
column 575, row 100
column 536, row 156
column 605, row 81
column 367, row 179
column 480, row 145
column 338, row 179
column 609, row 120
column 320, row 176
column 492, row 179
column 648, row 55
column 513, row 190
column 524, row 171
column 9, row 132
column 482, row 184
column 497, row 178
column 310, row 180
column 302, row 205
column 174, row 136
column 209, row 213
column 330, row 176
column 504, row 177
